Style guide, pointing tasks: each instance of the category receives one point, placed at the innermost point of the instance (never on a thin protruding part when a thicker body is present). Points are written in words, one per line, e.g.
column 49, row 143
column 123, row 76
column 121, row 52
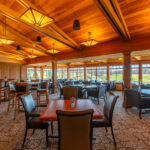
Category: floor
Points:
column 131, row 132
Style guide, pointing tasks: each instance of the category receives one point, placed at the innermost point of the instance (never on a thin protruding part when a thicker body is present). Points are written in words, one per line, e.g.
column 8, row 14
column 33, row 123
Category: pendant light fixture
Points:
column 36, row 18
column 32, row 55
column 76, row 24
column 53, row 50
column 92, row 61
column 18, row 48
column 38, row 40
column 89, row 42
column 19, row 57
column 5, row 40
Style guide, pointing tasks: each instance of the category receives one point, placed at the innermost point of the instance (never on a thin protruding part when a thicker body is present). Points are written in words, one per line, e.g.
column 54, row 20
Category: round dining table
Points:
column 145, row 92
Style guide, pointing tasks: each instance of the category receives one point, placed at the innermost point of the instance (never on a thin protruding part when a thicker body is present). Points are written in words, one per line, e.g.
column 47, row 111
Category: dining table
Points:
column 49, row 114
column 145, row 92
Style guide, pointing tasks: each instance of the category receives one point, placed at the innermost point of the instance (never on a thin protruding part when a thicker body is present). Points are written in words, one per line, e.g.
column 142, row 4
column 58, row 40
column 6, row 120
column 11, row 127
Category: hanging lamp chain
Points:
column 89, row 35
column 53, row 47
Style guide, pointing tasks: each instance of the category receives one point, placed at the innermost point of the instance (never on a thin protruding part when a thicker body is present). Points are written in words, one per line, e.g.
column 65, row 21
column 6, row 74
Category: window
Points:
column 134, row 73
column 146, row 73
column 115, row 73
column 80, row 73
column 73, row 73
column 62, row 73
column 47, row 74
column 91, row 73
column 102, row 73
column 30, row 74
column 38, row 73
column 76, row 73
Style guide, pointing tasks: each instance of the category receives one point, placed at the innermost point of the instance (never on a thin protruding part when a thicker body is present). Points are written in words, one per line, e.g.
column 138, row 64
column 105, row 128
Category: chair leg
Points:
column 47, row 137
column 13, row 97
column 126, row 107
column 47, row 99
column 9, row 102
column 24, row 137
column 37, row 99
column 113, row 135
column 98, row 100
column 52, row 128
column 33, row 131
column 140, row 112
column 106, row 129
column 15, row 110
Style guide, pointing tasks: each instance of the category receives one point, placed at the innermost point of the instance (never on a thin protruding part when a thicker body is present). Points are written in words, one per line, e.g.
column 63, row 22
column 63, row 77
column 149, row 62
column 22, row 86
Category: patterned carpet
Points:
column 131, row 133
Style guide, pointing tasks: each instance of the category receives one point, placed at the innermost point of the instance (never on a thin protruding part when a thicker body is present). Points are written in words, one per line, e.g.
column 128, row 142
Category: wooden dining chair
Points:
column 42, row 90
column 34, row 87
column 21, row 89
column 70, row 92
column 75, row 130
column 109, row 105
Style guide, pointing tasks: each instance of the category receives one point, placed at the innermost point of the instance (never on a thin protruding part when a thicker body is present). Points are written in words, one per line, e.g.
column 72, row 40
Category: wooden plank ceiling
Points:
column 116, row 24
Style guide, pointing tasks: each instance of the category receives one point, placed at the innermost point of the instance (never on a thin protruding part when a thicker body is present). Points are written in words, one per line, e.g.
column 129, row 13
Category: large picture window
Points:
column 91, row 73
column 76, row 73
column 146, row 73
column 62, row 73
column 30, row 74
column 47, row 74
column 115, row 73
column 38, row 73
column 80, row 74
column 102, row 73
column 135, row 73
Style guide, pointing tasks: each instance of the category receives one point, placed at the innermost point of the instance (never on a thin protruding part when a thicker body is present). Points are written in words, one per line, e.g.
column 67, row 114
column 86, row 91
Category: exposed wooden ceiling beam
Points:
column 45, row 31
column 112, row 11
column 7, row 52
column 106, row 48
column 5, row 59
column 12, row 48
column 52, row 26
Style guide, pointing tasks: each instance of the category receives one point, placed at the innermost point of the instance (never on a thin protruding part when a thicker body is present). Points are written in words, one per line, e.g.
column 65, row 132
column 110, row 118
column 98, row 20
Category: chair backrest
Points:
column 75, row 130
column 102, row 90
column 70, row 92
column 2, row 84
column 22, row 88
column 109, row 105
column 43, row 85
column 80, row 92
column 60, row 85
column 132, row 97
column 11, row 86
column 69, row 82
column 29, row 106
